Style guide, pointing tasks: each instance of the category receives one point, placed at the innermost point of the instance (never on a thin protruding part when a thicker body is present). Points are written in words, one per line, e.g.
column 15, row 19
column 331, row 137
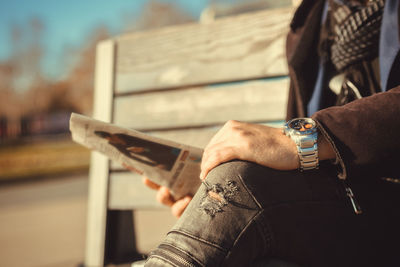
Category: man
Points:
column 341, row 207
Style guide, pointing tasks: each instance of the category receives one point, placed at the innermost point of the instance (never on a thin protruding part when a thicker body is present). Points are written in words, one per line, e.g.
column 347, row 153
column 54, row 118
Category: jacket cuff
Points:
column 339, row 159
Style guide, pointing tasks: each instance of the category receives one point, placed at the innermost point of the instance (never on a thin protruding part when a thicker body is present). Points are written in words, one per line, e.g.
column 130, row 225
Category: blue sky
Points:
column 68, row 22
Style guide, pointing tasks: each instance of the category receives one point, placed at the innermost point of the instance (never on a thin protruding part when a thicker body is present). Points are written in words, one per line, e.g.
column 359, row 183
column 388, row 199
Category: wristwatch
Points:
column 304, row 133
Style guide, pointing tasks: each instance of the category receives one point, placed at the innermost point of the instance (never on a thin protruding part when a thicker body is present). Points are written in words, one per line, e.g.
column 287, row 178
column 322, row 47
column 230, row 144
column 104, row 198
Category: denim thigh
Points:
column 244, row 212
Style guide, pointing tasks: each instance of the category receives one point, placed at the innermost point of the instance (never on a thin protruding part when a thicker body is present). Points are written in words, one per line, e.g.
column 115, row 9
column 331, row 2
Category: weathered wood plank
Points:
column 263, row 100
column 235, row 48
column 127, row 191
column 198, row 137
column 99, row 166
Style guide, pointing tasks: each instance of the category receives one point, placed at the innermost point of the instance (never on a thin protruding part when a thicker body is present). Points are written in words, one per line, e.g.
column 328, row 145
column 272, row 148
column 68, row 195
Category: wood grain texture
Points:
column 235, row 48
column 99, row 166
column 104, row 81
column 263, row 100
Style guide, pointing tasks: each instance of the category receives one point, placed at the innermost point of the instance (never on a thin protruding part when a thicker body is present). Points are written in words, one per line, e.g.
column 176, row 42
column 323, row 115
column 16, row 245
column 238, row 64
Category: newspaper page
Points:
column 165, row 162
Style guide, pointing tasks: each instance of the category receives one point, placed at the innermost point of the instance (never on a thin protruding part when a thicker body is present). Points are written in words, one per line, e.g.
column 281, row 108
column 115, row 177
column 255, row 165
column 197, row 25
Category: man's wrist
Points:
column 325, row 149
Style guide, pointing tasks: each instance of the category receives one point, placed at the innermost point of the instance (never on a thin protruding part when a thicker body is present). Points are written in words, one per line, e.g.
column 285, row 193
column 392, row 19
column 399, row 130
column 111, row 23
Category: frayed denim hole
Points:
column 217, row 196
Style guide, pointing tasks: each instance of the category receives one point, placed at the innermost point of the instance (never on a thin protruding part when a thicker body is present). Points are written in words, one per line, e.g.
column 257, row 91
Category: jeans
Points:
column 245, row 214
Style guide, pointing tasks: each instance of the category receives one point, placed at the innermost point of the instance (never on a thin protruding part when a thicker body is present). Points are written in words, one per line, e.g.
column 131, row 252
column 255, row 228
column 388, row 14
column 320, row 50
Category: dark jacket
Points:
column 365, row 133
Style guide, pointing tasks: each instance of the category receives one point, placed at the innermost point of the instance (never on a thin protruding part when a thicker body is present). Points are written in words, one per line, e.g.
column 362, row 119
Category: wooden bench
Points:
column 181, row 83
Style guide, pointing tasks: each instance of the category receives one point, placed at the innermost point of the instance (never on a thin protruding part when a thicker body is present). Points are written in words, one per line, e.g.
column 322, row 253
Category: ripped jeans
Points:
column 245, row 214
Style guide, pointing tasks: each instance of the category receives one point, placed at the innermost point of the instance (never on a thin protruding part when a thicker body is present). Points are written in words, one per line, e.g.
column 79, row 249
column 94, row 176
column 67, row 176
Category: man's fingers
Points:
column 179, row 207
column 132, row 169
column 214, row 157
column 150, row 184
column 221, row 135
column 164, row 196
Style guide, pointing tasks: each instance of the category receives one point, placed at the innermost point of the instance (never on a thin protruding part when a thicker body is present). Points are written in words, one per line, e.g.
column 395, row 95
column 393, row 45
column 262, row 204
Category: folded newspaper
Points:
column 165, row 162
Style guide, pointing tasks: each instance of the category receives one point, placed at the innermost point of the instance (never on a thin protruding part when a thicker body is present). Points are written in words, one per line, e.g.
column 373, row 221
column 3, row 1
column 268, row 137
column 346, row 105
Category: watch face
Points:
column 302, row 125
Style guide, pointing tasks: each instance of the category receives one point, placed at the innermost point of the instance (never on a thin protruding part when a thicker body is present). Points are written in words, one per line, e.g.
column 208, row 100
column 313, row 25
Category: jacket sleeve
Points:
column 365, row 134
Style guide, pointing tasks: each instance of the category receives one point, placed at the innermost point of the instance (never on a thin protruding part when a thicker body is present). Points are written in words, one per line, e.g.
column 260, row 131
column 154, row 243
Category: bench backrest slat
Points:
column 250, row 101
column 235, row 48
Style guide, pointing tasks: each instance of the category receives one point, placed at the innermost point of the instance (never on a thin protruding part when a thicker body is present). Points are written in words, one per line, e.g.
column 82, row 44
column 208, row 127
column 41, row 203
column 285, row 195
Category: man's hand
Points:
column 165, row 197
column 261, row 144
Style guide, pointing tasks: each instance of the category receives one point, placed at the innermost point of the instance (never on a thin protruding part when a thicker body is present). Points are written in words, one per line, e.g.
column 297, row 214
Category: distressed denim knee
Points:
column 244, row 212
column 220, row 227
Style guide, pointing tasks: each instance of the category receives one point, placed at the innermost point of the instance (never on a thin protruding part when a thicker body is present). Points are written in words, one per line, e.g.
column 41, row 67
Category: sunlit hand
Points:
column 261, row 144
column 165, row 197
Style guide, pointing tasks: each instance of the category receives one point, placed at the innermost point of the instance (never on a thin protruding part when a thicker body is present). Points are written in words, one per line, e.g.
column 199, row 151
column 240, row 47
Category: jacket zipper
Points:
column 356, row 207
column 174, row 257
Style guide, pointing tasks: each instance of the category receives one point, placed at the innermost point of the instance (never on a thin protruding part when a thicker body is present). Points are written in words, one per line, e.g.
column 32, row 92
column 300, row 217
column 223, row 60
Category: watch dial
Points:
column 302, row 124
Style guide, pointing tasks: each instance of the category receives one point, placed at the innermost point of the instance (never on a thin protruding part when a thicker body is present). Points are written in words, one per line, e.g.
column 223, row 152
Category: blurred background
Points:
column 47, row 56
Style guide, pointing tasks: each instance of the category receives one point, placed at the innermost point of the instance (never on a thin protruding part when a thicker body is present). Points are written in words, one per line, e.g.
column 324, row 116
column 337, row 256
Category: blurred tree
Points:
column 22, row 70
column 25, row 90
column 80, row 78
column 27, row 53
column 9, row 99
